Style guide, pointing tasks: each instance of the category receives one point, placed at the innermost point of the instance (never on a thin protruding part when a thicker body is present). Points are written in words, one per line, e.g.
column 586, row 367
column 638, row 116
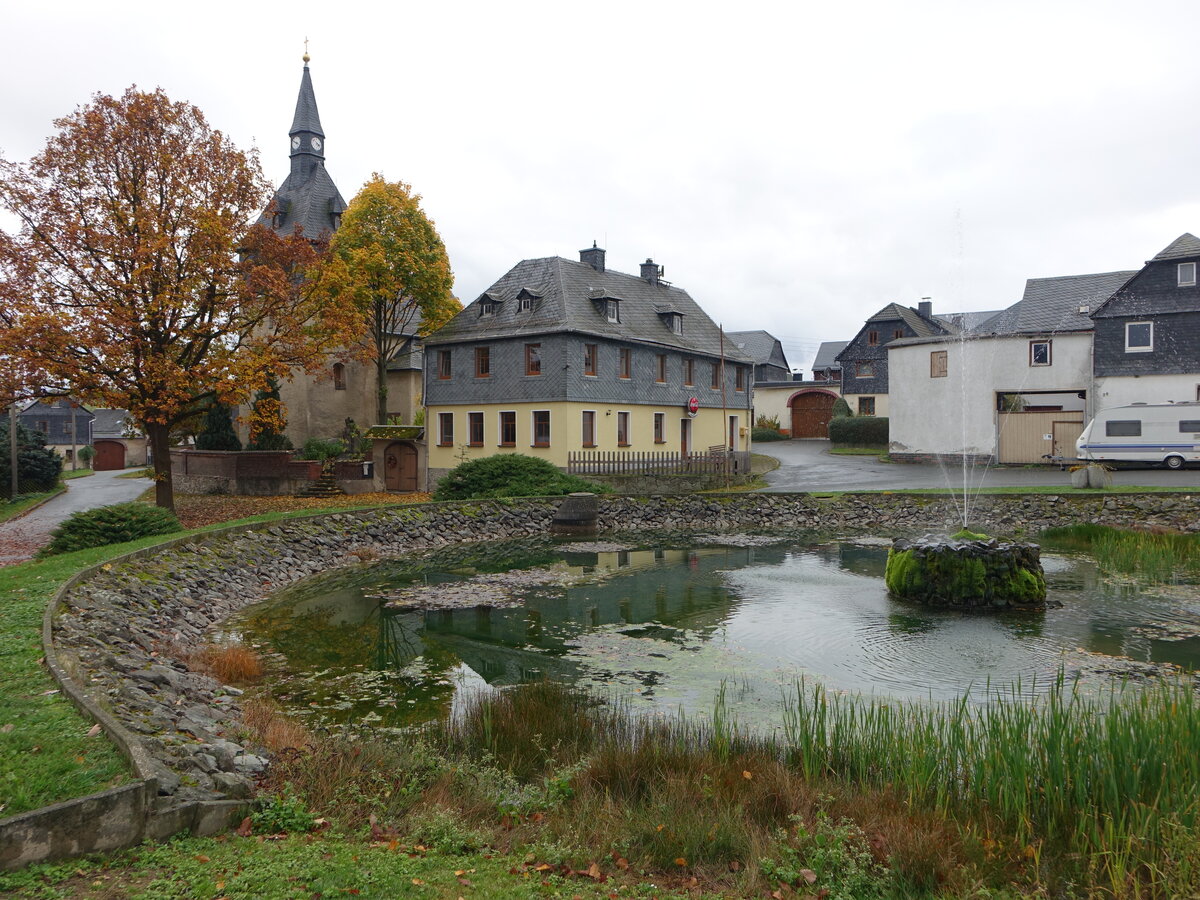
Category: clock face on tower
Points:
column 295, row 143
column 316, row 143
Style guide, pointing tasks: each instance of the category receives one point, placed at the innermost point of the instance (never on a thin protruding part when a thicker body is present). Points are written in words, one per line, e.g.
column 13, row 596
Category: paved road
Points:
column 809, row 466
column 21, row 538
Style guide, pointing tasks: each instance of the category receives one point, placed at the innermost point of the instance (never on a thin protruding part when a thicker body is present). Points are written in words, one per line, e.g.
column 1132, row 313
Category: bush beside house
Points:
column 859, row 431
column 509, row 475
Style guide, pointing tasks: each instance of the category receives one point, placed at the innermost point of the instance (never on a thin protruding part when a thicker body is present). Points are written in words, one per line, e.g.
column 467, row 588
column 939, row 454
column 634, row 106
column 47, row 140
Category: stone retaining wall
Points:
column 118, row 628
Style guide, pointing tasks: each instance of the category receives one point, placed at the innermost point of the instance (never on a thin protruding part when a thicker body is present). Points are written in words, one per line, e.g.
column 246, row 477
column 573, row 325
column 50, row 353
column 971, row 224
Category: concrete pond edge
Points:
column 126, row 815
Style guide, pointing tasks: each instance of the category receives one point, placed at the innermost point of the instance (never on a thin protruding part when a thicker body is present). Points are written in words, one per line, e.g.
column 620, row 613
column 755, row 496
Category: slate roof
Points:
column 308, row 197
column 110, row 423
column 567, row 299
column 922, row 326
column 307, row 117
column 1052, row 304
column 968, row 321
column 760, row 346
column 1183, row 246
column 827, row 355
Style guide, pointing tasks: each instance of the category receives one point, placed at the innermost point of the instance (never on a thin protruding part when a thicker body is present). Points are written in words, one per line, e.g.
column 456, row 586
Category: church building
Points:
column 308, row 201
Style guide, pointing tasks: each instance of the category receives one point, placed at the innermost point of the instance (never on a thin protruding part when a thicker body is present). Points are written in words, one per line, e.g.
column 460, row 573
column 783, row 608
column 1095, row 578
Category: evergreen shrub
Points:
column 317, row 448
column 758, row 435
column 859, row 431
column 110, row 525
column 218, row 433
column 841, row 409
column 38, row 469
column 509, row 475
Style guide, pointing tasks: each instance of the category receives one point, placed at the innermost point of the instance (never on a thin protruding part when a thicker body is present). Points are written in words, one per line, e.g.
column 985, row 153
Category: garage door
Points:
column 109, row 455
column 811, row 414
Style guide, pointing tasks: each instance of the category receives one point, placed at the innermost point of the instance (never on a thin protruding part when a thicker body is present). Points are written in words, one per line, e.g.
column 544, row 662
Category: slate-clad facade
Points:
column 618, row 358
column 864, row 360
column 53, row 418
column 1147, row 335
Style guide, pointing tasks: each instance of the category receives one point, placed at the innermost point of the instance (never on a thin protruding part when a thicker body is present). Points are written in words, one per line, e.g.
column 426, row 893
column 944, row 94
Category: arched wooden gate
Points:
column 109, row 455
column 811, row 412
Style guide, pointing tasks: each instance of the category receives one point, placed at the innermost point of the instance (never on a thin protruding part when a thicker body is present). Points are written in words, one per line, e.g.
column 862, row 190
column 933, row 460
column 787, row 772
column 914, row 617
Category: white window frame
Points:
column 583, row 414
column 1187, row 274
column 443, row 418
column 533, row 428
column 1140, row 348
column 612, row 311
column 500, row 413
column 525, row 304
column 1049, row 353
column 482, row 428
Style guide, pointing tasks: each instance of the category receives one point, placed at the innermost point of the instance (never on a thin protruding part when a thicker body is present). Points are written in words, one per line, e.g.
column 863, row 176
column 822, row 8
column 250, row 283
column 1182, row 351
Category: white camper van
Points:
column 1167, row 433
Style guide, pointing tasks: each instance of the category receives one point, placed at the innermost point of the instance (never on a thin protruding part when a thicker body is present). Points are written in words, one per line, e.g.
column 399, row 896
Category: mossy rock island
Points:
column 966, row 571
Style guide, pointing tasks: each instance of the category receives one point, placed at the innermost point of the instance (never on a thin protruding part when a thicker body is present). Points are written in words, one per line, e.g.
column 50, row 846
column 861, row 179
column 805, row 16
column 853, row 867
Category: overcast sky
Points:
column 794, row 166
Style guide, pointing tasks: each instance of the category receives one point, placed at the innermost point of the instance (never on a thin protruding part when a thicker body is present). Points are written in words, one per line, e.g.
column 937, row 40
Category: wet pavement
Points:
column 21, row 538
column 809, row 466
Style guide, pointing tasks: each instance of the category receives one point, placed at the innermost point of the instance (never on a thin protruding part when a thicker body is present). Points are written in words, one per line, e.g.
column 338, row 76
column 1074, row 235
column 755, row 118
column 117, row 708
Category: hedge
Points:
column 859, row 431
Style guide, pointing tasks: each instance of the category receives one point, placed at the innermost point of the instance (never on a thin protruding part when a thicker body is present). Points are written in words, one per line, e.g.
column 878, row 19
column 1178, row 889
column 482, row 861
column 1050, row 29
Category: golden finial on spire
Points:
column 306, row 57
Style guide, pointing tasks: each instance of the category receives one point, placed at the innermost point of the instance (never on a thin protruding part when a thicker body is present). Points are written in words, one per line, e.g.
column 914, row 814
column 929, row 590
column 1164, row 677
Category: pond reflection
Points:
column 668, row 626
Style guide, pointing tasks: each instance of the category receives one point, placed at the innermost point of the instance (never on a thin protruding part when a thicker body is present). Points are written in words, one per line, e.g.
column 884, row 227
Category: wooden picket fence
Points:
column 715, row 461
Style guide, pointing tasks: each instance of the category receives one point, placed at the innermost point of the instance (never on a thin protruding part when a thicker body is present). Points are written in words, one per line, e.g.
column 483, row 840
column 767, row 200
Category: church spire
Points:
column 308, row 198
column 307, row 135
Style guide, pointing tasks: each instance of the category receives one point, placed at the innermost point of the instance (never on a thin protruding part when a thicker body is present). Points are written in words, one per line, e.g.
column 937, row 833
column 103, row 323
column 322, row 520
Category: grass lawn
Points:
column 880, row 452
column 46, row 754
column 24, row 502
column 78, row 473
column 325, row 865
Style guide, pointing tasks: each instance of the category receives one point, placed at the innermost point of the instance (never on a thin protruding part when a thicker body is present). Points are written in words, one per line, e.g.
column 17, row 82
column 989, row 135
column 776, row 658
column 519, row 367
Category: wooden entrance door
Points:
column 400, row 467
column 1065, row 436
column 109, row 455
column 811, row 413
column 685, row 434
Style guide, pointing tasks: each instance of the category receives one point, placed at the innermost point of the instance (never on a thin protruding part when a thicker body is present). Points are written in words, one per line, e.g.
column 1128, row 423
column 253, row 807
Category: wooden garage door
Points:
column 1029, row 437
column 811, row 414
column 109, row 455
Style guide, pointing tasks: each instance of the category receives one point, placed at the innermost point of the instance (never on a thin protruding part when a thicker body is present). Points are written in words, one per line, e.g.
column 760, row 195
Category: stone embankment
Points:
column 120, row 629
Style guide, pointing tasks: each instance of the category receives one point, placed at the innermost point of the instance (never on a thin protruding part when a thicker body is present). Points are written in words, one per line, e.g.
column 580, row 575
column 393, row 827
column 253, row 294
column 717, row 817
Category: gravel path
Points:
column 22, row 537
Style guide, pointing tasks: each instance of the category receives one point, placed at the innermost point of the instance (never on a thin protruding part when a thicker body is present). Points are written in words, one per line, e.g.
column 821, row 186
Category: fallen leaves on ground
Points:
column 195, row 510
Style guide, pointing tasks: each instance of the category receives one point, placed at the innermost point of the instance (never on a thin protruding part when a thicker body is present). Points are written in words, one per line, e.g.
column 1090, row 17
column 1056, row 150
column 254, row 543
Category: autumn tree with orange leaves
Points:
column 135, row 279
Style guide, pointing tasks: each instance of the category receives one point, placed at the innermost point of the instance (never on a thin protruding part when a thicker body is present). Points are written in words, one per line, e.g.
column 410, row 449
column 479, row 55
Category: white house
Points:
column 1017, row 389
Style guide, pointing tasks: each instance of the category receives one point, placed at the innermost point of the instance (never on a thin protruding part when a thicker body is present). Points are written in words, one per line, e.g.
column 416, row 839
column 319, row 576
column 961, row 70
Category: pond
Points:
column 665, row 627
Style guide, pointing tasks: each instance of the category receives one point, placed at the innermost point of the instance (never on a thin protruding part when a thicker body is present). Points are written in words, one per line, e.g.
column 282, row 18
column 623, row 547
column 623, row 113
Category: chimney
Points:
column 651, row 272
column 925, row 307
column 593, row 256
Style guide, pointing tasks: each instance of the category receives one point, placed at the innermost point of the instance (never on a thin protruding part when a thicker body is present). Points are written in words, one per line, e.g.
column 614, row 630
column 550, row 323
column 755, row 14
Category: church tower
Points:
column 308, row 197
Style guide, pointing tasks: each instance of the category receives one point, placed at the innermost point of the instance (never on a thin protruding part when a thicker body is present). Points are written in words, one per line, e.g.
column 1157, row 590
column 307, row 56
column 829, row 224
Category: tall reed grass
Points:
column 1111, row 780
column 1155, row 558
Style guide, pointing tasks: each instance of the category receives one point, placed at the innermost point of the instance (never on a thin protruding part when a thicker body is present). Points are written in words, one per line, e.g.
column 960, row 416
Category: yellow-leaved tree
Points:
column 393, row 265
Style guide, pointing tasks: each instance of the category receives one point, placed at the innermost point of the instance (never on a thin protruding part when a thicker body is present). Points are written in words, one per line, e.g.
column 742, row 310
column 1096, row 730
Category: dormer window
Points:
column 487, row 308
column 675, row 323
column 612, row 310
column 526, row 300
column 1187, row 274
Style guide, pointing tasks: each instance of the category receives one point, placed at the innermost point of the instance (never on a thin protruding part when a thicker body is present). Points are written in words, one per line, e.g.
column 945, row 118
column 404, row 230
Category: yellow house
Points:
column 560, row 358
